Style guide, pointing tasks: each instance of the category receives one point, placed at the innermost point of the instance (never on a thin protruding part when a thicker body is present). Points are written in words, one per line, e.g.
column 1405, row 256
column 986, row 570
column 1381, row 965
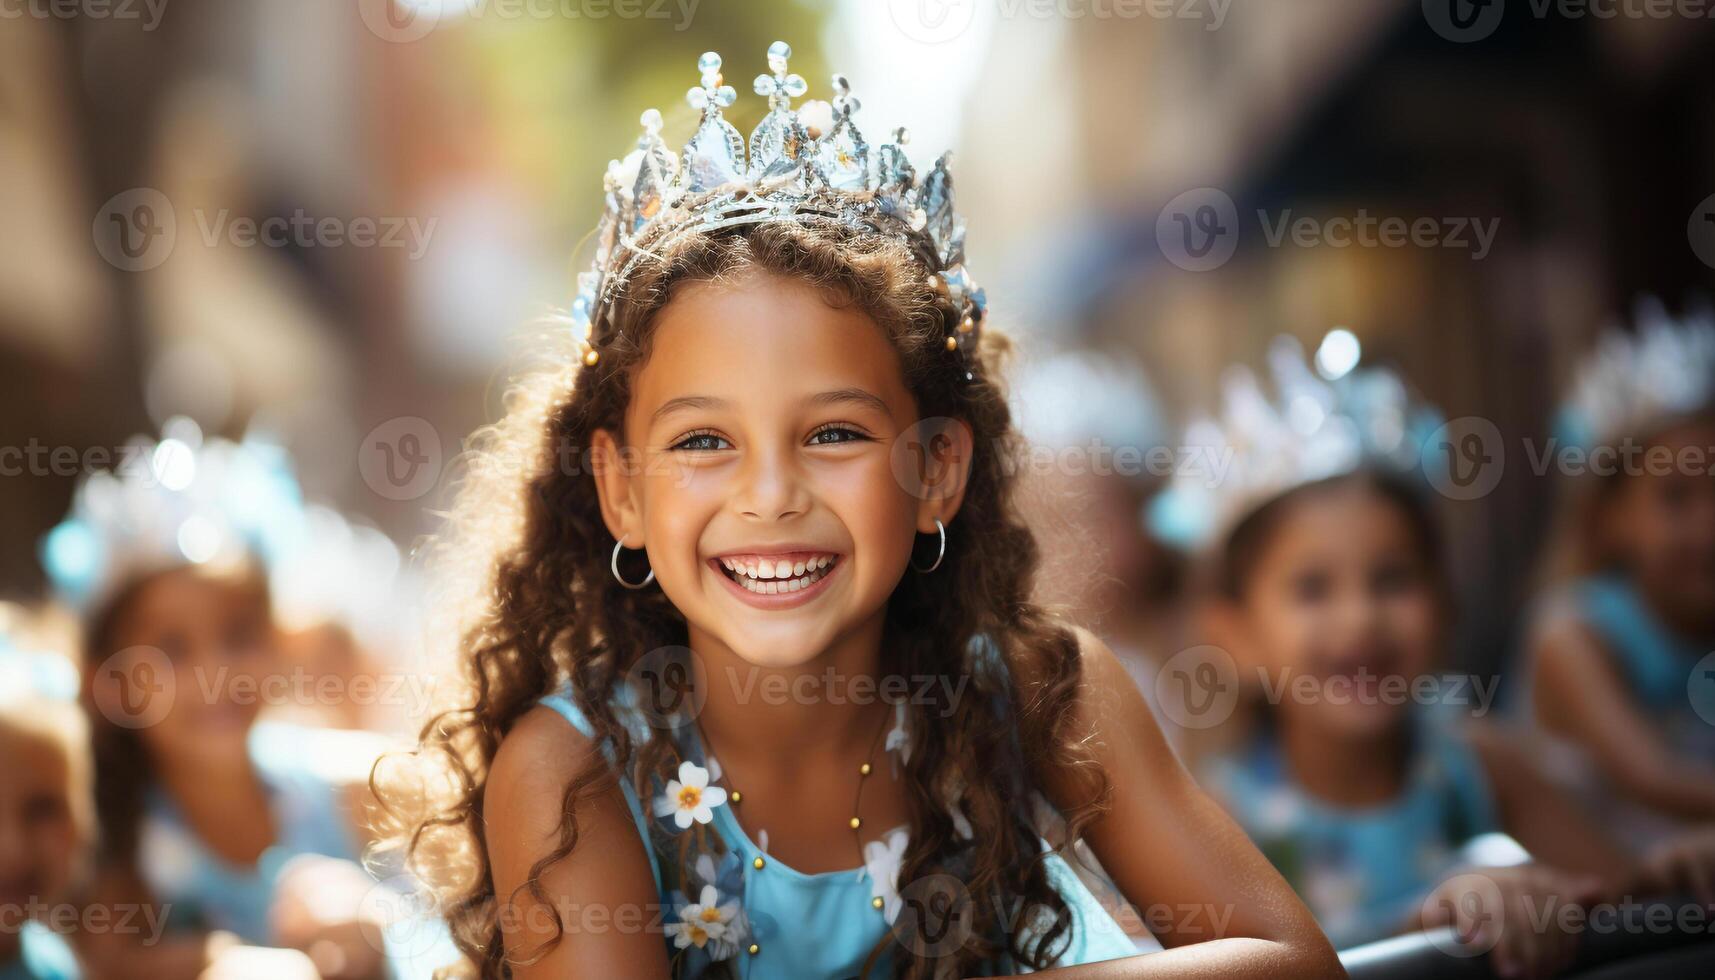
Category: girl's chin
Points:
column 783, row 654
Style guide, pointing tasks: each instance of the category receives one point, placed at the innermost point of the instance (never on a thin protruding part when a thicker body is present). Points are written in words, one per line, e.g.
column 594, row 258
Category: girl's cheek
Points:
column 1415, row 624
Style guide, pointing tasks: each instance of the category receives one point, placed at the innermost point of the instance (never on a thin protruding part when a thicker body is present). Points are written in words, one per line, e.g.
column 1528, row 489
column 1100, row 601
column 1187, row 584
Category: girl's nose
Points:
column 771, row 488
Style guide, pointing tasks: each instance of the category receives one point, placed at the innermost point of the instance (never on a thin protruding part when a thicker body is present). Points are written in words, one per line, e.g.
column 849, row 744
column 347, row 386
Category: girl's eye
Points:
column 701, row 442
column 1394, row 579
column 833, row 434
column 1312, row 587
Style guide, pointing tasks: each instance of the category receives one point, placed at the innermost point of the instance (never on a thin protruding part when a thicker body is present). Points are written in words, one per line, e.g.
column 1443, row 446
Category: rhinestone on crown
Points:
column 804, row 165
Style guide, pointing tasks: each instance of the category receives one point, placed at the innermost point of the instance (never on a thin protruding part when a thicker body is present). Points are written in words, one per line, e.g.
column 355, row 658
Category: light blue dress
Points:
column 808, row 926
column 207, row 892
column 1659, row 670
column 1361, row 871
column 1655, row 662
column 43, row 955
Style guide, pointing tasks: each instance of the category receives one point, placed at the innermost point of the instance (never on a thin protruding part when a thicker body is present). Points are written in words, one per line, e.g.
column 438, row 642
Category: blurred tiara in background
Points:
column 186, row 500
column 1260, row 447
column 1638, row 381
column 804, row 165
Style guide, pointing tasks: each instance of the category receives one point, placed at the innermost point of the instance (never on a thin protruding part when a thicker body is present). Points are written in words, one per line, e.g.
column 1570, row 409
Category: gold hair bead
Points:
column 758, row 863
column 863, row 770
column 591, row 356
column 967, row 325
column 754, row 949
column 856, row 823
column 876, row 903
column 737, row 797
column 952, row 343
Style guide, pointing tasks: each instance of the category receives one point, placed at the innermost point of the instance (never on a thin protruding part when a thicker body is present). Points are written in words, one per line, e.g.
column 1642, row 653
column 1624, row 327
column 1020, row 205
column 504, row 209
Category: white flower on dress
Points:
column 690, row 797
column 881, row 861
column 707, row 921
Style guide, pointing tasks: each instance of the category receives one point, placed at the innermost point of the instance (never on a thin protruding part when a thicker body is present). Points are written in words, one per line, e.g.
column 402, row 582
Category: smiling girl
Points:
column 797, row 481
column 1367, row 778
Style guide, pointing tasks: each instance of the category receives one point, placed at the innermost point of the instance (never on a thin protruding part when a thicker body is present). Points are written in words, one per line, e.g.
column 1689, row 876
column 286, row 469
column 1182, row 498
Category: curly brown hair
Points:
column 526, row 552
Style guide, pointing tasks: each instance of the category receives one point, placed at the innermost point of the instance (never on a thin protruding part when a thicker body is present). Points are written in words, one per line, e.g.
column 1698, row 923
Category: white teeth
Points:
column 777, row 578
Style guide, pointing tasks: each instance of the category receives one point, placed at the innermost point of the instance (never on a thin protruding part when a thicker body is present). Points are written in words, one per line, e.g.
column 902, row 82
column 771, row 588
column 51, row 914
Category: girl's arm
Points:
column 1552, row 826
column 602, row 917
column 1580, row 694
column 1167, row 845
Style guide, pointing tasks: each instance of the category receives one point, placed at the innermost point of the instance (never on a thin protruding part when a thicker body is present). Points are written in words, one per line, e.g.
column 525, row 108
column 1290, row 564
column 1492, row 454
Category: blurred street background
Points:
column 331, row 219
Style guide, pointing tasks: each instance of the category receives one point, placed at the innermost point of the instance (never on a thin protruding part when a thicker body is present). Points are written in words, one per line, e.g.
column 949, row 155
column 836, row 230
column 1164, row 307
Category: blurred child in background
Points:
column 243, row 831
column 1630, row 613
column 1328, row 590
column 46, row 819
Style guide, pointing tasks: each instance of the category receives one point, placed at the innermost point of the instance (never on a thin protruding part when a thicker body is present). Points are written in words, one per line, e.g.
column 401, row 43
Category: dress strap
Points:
column 563, row 705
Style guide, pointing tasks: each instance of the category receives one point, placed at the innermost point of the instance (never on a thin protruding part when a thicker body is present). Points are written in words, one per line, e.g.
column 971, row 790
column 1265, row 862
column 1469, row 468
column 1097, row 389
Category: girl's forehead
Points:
column 765, row 338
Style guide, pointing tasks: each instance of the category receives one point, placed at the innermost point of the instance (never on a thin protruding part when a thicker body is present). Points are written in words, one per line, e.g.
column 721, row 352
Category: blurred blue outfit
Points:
column 1659, row 669
column 42, row 956
column 204, row 891
column 1363, row 872
column 1655, row 662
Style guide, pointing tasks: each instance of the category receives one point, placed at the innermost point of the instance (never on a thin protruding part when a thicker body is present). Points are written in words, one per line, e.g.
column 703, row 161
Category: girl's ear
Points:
column 936, row 465
column 613, row 466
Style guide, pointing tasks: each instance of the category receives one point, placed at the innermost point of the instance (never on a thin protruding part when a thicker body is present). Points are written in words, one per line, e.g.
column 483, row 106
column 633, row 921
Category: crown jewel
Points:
column 804, row 165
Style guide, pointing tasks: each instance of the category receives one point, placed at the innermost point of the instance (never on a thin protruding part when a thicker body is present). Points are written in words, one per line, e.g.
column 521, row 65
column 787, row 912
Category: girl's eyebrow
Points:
column 856, row 396
column 684, row 402
column 838, row 396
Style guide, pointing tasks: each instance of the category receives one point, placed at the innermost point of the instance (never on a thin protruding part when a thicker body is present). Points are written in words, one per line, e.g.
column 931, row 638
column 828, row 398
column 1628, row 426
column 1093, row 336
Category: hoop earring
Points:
column 614, row 564
column 942, row 530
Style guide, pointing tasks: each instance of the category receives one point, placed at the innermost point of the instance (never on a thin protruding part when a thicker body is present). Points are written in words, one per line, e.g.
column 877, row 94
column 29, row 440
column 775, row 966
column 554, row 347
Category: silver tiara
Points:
column 806, row 165
column 1635, row 381
column 1260, row 445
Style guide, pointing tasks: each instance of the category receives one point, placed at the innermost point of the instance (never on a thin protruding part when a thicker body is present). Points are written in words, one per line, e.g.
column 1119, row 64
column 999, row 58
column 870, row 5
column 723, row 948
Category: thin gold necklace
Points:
column 856, row 823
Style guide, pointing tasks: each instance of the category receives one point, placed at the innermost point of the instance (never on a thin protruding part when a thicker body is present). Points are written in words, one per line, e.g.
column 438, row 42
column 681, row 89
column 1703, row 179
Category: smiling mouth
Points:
column 778, row 575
